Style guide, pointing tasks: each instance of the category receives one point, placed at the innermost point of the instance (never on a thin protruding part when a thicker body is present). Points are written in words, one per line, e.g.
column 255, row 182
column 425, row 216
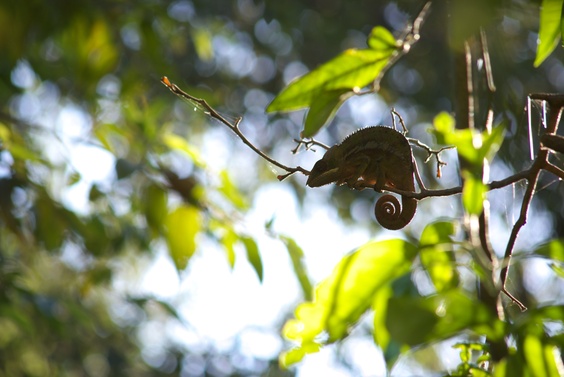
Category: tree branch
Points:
column 233, row 127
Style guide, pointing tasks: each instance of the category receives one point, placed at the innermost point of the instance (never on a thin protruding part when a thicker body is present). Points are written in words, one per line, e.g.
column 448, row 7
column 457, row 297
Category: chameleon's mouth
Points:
column 324, row 178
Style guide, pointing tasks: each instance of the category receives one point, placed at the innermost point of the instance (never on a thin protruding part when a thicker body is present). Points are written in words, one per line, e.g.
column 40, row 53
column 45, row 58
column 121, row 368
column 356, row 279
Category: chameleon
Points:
column 376, row 156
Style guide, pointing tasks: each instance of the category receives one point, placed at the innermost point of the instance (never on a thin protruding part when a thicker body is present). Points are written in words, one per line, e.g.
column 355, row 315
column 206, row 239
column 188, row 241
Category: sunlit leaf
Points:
column 436, row 254
column 323, row 108
column 178, row 143
column 415, row 320
column 549, row 29
column 349, row 291
column 253, row 255
column 228, row 241
column 295, row 355
column 182, row 225
column 492, row 142
column 553, row 249
column 350, row 71
column 296, row 256
column 390, row 347
column 436, row 233
column 202, row 39
column 110, row 135
column 541, row 358
column 473, row 195
column 380, row 38
column 470, row 144
column 231, row 192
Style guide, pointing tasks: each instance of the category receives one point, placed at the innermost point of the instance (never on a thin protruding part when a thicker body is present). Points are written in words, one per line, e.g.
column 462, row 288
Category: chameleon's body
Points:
column 377, row 157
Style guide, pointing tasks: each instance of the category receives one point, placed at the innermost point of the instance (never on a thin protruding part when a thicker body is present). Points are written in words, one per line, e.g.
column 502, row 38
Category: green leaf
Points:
column 125, row 168
column 491, row 143
column 323, row 108
column 180, row 144
column 473, row 194
column 414, row 320
column 231, row 192
column 202, row 39
column 154, row 204
column 540, row 358
column 296, row 256
column 351, row 70
column 380, row 38
column 182, row 225
column 253, row 255
column 470, row 144
column 549, row 29
column 324, row 89
column 391, row 348
column 437, row 256
column 295, row 355
column 228, row 240
column 343, row 297
column 553, row 249
column 50, row 224
column 436, row 233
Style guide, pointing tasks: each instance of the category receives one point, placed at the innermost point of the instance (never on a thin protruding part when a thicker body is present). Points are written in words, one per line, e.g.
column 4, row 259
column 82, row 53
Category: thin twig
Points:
column 409, row 38
column 233, row 127
column 308, row 144
column 424, row 193
column 556, row 105
column 432, row 152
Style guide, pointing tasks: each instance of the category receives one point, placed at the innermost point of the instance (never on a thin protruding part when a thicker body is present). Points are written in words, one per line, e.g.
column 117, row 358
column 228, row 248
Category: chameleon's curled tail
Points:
column 391, row 215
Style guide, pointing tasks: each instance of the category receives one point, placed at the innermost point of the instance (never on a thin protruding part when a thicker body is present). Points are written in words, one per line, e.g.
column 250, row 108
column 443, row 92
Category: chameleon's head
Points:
column 324, row 171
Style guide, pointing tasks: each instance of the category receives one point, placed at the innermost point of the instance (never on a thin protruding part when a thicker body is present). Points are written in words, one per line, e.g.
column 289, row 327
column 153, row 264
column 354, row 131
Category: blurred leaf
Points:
column 231, row 192
column 202, row 40
column 295, row 355
column 414, row 320
column 125, row 168
column 296, row 256
column 182, row 225
column 95, row 193
column 437, row 233
column 180, row 144
column 343, row 297
column 228, row 241
column 50, row 225
column 443, row 124
column 111, row 136
column 391, row 348
column 73, row 178
column 253, row 256
column 95, row 235
column 470, row 144
column 491, row 142
column 95, row 54
column 554, row 249
column 540, row 358
column 380, row 38
column 473, row 194
column 154, row 202
column 549, row 29
column 437, row 257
